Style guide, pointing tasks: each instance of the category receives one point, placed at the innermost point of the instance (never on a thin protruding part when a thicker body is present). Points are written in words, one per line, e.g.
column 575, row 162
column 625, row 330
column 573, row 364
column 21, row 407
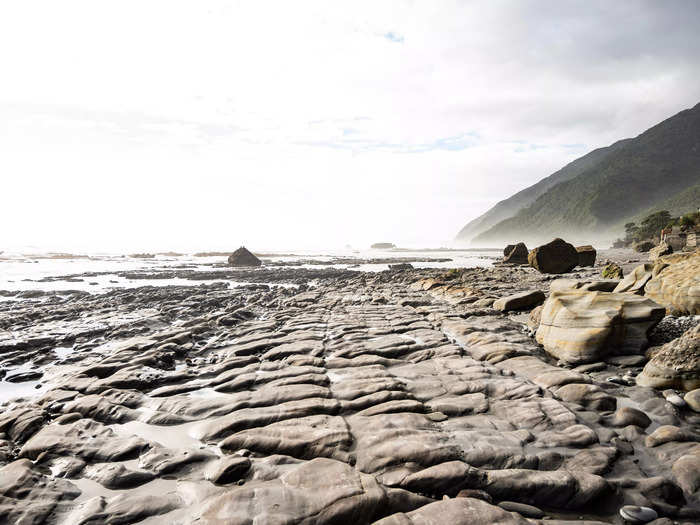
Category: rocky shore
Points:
column 409, row 396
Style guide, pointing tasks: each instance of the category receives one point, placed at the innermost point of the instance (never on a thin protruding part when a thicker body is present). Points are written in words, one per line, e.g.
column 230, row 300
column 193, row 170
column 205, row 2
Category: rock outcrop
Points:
column 660, row 250
column 677, row 285
column 242, row 257
column 557, row 256
column 579, row 326
column 586, row 255
column 517, row 254
column 675, row 365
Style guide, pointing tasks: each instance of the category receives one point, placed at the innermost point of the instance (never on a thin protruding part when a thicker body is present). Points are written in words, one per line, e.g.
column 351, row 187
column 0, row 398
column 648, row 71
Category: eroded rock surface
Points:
column 354, row 398
column 579, row 326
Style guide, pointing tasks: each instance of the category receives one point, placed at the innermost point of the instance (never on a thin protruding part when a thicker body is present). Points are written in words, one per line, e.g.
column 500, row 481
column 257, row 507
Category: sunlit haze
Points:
column 177, row 125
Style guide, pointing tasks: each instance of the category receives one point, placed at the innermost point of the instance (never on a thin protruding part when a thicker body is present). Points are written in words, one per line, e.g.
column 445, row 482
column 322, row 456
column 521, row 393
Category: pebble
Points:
column 673, row 398
column 635, row 514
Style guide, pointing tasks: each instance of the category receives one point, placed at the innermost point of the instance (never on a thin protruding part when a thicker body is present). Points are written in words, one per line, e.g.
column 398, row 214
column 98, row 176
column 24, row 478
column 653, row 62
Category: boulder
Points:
column 557, row 256
column 586, row 255
column 677, row 285
column 612, row 271
column 401, row 266
column 676, row 365
column 660, row 250
column 579, row 327
column 508, row 249
column 519, row 301
column 643, row 246
column 242, row 257
column 517, row 254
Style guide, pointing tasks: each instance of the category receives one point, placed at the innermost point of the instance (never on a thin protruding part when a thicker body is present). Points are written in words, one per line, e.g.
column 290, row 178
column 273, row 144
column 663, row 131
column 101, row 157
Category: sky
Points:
column 190, row 125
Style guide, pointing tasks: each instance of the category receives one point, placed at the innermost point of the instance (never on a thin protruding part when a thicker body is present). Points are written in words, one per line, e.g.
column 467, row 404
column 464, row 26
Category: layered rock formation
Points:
column 579, row 326
column 676, row 284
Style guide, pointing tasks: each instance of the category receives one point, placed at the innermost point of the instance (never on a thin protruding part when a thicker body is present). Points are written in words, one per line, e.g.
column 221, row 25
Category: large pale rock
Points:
column 676, row 365
column 677, row 286
column 557, row 256
column 586, row 255
column 579, row 326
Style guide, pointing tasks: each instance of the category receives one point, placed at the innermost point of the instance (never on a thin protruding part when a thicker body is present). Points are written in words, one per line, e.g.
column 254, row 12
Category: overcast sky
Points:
column 191, row 124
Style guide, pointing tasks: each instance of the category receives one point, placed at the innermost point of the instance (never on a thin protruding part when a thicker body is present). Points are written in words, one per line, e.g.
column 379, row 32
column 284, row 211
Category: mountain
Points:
column 512, row 205
column 593, row 196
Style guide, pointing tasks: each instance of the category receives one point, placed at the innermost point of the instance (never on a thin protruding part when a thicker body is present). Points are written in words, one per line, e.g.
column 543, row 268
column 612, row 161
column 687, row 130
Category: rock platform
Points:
column 392, row 397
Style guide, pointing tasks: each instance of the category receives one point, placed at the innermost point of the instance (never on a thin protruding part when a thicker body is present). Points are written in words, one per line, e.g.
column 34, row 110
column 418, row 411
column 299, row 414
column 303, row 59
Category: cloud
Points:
column 288, row 123
column 393, row 37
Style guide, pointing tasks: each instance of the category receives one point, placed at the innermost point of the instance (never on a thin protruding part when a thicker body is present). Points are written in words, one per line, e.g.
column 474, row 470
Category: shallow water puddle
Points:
column 171, row 436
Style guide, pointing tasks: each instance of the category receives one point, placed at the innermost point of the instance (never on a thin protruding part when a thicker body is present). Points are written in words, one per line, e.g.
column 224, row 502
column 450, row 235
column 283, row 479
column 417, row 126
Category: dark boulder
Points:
column 586, row 255
column 242, row 257
column 517, row 254
column 557, row 256
column 643, row 246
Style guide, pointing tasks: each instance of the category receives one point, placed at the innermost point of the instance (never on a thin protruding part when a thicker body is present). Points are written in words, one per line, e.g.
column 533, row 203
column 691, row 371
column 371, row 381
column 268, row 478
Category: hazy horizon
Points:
column 185, row 126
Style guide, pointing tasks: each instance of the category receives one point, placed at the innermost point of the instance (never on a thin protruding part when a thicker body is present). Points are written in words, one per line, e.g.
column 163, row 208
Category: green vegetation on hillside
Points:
column 512, row 205
column 660, row 166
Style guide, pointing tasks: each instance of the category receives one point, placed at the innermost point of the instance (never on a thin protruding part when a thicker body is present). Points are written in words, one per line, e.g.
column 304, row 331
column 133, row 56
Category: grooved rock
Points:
column 458, row 511
column 677, row 286
column 519, row 301
column 242, row 257
column 557, row 256
column 586, row 255
column 580, row 327
column 558, row 488
column 676, row 365
column 29, row 496
column 317, row 491
column 517, row 254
